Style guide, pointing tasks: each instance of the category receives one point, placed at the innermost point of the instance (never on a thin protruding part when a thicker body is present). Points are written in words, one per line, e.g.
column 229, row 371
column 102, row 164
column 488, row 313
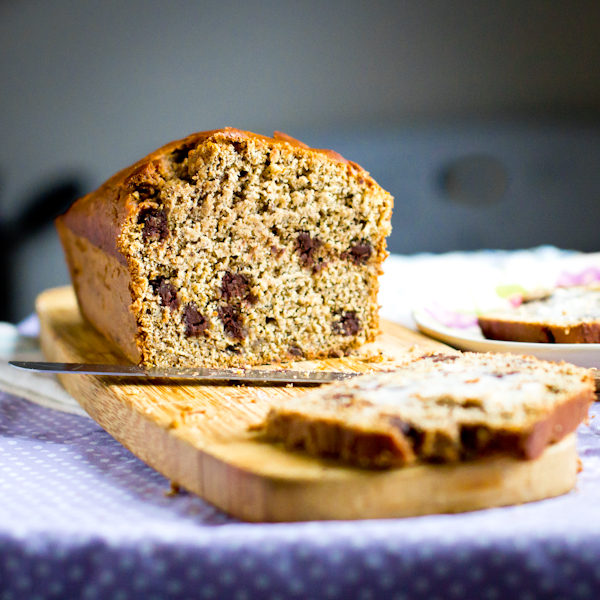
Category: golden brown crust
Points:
column 100, row 215
column 565, row 418
column 332, row 437
column 565, row 315
column 497, row 328
column 101, row 283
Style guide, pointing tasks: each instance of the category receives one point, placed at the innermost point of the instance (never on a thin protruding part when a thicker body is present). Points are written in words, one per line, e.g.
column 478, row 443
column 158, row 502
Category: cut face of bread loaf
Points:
column 229, row 248
column 564, row 316
column 438, row 408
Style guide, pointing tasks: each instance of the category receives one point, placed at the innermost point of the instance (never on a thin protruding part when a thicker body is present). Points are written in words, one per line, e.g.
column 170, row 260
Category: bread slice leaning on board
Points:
column 440, row 408
column 569, row 315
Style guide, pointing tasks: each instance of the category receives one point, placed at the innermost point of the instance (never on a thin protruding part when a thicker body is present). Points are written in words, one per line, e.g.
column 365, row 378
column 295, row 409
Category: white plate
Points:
column 584, row 355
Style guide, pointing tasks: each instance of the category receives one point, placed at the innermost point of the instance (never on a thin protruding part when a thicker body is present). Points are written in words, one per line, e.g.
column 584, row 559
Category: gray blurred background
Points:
column 482, row 118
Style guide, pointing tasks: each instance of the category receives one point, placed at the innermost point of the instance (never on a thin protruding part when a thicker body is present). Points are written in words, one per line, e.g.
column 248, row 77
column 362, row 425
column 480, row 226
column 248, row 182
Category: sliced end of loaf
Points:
column 245, row 251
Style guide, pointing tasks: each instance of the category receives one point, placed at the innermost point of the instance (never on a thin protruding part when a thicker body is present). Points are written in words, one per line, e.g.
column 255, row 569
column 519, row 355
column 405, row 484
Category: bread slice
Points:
column 438, row 408
column 564, row 316
column 228, row 248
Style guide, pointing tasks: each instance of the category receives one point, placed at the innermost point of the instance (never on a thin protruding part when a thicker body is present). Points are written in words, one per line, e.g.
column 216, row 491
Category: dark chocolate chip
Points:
column 472, row 440
column 346, row 396
column 415, row 436
column 319, row 266
column 155, row 224
column 232, row 322
column 443, row 357
column 167, row 292
column 501, row 374
column 277, row 252
column 195, row 323
column 549, row 336
column 295, row 351
column 306, row 247
column 535, row 296
column 347, row 399
column 349, row 324
column 235, row 285
column 360, row 253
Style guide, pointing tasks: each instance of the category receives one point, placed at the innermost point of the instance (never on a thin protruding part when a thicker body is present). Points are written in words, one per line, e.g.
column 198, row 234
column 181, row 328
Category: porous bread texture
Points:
column 569, row 315
column 438, row 408
column 248, row 250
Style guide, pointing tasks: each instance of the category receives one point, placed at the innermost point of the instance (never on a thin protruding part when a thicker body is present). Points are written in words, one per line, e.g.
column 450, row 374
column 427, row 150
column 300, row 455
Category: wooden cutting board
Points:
column 198, row 436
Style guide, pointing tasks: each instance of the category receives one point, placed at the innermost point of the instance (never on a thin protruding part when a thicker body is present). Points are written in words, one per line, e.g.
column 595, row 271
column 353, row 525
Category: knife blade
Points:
column 242, row 375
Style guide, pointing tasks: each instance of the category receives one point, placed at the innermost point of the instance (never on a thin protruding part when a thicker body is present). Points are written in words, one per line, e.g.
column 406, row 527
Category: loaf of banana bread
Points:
column 438, row 408
column 228, row 248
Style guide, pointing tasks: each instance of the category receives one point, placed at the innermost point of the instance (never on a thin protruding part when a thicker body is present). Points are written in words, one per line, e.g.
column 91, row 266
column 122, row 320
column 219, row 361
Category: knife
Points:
column 199, row 374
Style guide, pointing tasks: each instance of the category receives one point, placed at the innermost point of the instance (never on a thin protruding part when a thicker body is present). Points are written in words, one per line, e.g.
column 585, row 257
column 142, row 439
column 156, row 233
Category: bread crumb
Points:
column 174, row 489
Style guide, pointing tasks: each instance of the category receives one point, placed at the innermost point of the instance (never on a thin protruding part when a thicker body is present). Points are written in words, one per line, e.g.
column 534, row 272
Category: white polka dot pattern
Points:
column 80, row 517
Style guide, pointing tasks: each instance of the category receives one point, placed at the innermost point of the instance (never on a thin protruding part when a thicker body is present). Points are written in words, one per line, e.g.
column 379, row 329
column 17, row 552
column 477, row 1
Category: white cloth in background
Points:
column 41, row 388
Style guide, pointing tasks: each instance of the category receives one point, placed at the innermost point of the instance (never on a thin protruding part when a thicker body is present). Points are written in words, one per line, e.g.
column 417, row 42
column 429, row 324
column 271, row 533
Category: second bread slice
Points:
column 565, row 316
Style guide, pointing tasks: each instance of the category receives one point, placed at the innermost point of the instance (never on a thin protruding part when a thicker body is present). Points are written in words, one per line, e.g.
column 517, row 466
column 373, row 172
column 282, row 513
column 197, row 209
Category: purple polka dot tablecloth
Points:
column 81, row 517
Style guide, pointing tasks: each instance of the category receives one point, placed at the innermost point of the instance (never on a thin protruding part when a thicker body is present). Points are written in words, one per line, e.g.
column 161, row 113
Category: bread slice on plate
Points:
column 438, row 408
column 229, row 248
column 569, row 315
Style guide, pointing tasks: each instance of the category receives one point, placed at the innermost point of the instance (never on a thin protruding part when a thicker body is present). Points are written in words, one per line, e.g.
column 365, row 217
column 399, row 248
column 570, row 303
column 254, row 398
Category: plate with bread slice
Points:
column 555, row 325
